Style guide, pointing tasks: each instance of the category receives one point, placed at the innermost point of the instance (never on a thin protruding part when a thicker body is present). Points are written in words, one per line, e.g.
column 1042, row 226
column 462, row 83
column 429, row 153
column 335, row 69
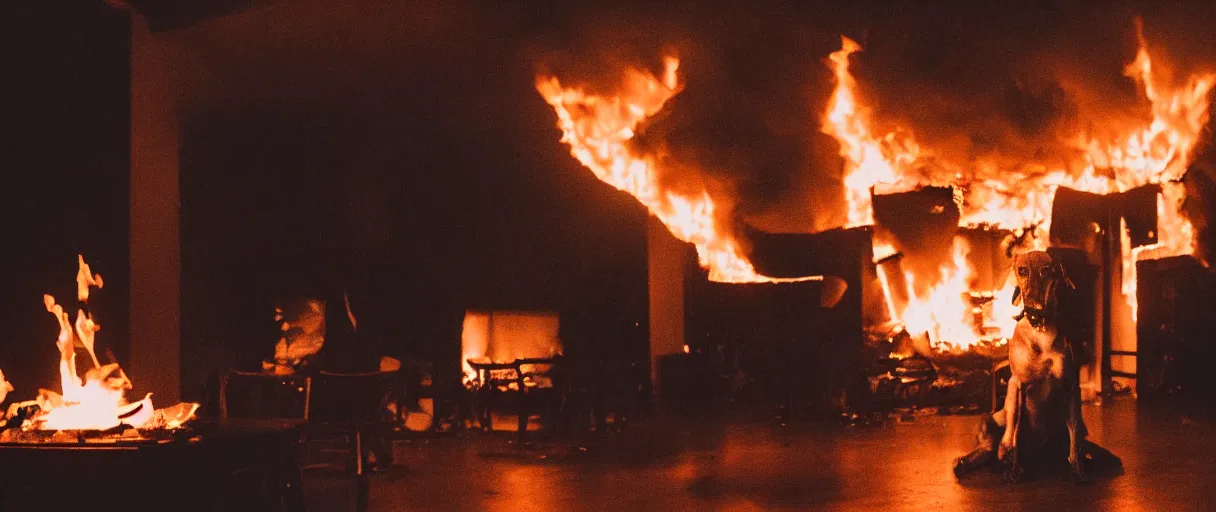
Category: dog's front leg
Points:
column 1008, row 450
column 1075, row 435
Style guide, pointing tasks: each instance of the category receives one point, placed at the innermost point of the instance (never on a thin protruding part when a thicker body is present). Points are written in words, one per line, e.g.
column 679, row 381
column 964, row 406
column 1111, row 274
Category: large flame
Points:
column 95, row 401
column 599, row 129
column 1115, row 160
column 869, row 161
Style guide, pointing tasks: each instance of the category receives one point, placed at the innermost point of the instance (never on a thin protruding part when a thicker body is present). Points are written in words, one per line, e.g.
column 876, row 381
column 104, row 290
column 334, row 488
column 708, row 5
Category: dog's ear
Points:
column 1064, row 276
column 1017, row 295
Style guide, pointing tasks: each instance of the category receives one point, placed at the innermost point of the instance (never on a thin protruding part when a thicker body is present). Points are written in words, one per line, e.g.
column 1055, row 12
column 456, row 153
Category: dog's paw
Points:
column 961, row 467
column 1078, row 476
column 1013, row 474
column 1005, row 449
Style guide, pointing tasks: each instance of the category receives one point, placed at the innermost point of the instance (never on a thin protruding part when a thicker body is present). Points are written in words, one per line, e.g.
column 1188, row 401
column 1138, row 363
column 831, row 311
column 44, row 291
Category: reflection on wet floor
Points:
column 707, row 465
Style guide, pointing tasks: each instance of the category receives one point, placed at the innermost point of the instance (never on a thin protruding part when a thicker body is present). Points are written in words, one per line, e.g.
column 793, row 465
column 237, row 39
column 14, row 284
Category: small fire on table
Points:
column 89, row 408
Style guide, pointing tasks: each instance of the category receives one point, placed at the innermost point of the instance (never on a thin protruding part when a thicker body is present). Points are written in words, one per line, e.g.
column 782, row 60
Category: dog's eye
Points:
column 1023, row 271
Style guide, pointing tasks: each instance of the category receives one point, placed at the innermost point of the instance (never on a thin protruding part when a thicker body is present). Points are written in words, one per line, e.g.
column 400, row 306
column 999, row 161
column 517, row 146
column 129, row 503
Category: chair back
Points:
column 351, row 397
column 264, row 396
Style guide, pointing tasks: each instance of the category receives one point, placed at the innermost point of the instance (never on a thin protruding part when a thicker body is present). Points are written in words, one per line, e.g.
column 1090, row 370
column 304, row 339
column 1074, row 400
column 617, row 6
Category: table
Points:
column 229, row 465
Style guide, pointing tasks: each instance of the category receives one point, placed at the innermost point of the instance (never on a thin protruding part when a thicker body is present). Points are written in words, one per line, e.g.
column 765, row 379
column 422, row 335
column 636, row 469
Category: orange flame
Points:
column 868, row 161
column 1158, row 152
column 96, row 401
column 599, row 129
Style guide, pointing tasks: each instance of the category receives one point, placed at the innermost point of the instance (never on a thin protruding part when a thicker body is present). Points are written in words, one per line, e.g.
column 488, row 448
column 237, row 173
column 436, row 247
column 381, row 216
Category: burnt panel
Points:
column 907, row 213
column 1074, row 214
column 775, row 343
column 923, row 223
column 1177, row 300
column 1138, row 207
column 832, row 252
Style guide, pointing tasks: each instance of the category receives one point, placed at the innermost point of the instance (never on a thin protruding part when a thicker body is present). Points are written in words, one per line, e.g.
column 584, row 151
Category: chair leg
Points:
column 293, row 497
column 361, row 493
column 358, row 450
column 361, row 484
column 522, row 423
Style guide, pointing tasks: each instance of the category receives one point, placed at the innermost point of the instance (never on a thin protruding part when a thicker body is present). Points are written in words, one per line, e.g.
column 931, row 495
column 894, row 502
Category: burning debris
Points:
column 94, row 403
column 987, row 193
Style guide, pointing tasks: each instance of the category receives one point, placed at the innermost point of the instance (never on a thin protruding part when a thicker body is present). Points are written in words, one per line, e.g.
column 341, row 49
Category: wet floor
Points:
column 1169, row 464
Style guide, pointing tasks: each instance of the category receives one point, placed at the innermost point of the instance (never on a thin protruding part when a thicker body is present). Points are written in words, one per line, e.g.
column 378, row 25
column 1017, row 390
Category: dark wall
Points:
column 64, row 103
column 417, row 221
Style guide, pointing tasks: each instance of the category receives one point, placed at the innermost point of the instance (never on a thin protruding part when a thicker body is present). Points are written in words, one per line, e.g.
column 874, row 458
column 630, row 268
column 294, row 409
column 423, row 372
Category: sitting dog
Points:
column 1041, row 419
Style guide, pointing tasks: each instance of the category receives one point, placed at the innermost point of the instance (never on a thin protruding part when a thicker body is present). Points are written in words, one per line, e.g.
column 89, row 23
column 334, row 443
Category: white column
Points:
column 155, row 364
column 665, row 263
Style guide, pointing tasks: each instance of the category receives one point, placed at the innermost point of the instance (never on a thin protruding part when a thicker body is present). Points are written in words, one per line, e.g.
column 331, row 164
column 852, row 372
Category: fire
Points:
column 1129, row 157
column 599, row 129
column 948, row 313
column 1116, row 158
column 96, row 401
column 869, row 161
column 507, row 336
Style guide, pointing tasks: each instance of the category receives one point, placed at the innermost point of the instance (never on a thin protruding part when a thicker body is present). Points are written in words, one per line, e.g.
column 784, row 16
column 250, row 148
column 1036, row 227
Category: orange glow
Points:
column 599, row 129
column 946, row 312
column 96, row 401
column 1117, row 159
column 869, row 161
column 1107, row 156
column 504, row 336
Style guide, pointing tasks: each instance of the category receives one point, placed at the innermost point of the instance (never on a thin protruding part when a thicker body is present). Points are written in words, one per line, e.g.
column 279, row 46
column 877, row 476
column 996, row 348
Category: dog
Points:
column 1041, row 418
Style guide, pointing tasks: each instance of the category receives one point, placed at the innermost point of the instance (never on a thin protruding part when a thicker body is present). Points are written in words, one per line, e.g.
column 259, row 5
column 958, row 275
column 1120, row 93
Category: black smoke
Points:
column 984, row 89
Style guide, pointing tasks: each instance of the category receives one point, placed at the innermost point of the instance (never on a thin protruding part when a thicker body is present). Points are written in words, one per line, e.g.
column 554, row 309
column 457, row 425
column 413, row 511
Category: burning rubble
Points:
column 95, row 402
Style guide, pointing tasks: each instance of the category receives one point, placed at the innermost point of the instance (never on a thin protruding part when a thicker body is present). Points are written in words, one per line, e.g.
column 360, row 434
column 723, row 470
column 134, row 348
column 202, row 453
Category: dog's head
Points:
column 1038, row 276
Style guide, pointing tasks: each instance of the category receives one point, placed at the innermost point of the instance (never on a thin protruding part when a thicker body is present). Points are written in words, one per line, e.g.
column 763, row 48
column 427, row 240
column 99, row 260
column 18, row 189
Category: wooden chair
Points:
column 352, row 405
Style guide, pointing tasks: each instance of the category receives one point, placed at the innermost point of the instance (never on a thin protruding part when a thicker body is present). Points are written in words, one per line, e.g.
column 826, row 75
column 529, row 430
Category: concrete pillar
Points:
column 665, row 261
column 155, row 364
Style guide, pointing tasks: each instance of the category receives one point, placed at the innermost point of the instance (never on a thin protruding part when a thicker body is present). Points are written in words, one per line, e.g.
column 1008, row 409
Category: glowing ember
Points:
column 599, row 129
